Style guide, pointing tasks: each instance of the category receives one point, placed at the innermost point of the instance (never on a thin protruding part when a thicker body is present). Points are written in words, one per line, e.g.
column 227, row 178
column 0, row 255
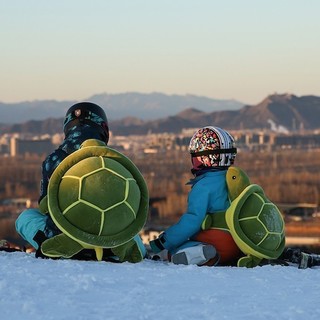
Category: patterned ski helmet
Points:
column 212, row 147
column 87, row 113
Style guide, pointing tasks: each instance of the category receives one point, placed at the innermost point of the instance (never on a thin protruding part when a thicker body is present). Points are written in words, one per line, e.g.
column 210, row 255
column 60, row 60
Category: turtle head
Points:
column 237, row 181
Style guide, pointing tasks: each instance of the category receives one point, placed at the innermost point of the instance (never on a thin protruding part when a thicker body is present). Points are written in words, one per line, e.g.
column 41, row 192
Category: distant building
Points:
column 253, row 140
column 18, row 202
column 260, row 140
column 20, row 147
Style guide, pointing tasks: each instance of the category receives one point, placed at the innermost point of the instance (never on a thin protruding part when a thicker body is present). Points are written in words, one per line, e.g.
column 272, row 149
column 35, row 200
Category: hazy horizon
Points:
column 241, row 50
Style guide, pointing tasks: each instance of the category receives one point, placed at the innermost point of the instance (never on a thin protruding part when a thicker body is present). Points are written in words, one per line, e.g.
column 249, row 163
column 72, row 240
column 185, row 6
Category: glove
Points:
column 157, row 245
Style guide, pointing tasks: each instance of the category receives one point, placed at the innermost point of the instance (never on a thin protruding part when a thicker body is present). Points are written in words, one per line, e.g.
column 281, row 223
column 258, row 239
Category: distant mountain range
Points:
column 117, row 106
column 278, row 112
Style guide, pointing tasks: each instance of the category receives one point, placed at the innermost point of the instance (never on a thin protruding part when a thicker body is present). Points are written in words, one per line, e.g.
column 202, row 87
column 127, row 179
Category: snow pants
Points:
column 30, row 221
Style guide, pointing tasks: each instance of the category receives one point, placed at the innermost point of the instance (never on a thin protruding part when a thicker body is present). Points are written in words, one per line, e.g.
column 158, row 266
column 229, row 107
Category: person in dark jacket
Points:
column 83, row 121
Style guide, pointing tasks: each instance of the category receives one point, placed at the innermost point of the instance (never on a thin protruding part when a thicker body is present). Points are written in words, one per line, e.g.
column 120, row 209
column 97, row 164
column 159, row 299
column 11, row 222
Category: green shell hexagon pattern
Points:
column 263, row 228
column 98, row 197
column 256, row 224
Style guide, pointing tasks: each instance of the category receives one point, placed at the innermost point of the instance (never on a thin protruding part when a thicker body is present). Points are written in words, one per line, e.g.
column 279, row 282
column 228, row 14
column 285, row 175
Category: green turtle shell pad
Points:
column 256, row 224
column 98, row 197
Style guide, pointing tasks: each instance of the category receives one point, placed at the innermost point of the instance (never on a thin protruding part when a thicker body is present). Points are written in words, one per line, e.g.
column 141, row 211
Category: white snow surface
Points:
column 34, row 289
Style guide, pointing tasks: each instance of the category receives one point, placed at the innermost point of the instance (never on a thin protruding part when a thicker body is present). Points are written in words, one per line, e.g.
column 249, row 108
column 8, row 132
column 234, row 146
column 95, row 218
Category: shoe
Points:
column 161, row 256
column 291, row 255
column 308, row 260
column 198, row 255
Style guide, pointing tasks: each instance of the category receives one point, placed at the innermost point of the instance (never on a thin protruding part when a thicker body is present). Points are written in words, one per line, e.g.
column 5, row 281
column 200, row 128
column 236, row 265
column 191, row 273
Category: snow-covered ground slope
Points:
column 65, row 289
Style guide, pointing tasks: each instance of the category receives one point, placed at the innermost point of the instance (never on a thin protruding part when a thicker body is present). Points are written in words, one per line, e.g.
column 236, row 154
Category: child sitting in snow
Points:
column 212, row 151
column 83, row 121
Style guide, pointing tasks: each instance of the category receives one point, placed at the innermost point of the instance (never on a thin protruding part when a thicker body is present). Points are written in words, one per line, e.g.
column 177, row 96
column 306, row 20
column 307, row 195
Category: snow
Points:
column 34, row 289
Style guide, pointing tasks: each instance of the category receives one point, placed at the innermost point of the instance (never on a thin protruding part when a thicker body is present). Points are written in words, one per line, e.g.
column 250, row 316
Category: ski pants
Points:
column 30, row 221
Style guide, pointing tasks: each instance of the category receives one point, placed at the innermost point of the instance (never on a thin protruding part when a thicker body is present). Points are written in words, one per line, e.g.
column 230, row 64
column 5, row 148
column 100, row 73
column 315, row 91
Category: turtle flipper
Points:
column 207, row 222
column 60, row 246
column 128, row 252
column 215, row 220
column 43, row 205
column 248, row 261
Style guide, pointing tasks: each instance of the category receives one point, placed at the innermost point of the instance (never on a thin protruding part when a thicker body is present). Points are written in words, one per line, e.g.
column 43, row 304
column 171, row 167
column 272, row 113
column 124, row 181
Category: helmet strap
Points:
column 216, row 151
column 200, row 171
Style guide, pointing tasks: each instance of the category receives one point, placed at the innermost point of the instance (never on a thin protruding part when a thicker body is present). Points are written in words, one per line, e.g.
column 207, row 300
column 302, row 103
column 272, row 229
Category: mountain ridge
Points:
column 288, row 112
column 140, row 105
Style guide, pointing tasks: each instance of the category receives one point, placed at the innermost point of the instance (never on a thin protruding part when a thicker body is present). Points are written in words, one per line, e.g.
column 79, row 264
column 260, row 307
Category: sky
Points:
column 242, row 50
column 37, row 289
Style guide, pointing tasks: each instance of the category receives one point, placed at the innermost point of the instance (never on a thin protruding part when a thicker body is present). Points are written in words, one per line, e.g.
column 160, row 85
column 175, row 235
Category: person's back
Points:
column 208, row 194
column 83, row 121
column 212, row 153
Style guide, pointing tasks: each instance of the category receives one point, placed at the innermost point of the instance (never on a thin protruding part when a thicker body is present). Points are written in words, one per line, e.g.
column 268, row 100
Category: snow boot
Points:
column 291, row 255
column 198, row 255
column 161, row 256
column 308, row 260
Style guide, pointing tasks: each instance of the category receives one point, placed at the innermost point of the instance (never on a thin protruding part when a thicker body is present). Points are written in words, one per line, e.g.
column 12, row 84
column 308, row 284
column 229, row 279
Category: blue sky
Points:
column 233, row 49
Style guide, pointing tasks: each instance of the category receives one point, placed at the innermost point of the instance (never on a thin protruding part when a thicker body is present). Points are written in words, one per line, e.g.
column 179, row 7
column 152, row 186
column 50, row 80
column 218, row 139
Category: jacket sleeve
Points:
column 190, row 222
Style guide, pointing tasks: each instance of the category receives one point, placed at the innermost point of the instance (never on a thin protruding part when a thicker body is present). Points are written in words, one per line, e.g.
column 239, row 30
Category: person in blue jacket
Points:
column 212, row 151
column 83, row 120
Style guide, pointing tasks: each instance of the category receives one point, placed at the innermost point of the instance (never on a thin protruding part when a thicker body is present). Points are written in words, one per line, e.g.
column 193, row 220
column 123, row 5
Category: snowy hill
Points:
column 64, row 289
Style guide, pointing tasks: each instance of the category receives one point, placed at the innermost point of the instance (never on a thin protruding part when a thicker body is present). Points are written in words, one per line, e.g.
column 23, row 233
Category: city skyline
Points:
column 239, row 50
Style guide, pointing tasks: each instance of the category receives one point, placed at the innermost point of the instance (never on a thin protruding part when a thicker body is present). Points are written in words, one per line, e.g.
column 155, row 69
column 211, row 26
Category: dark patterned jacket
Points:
column 72, row 142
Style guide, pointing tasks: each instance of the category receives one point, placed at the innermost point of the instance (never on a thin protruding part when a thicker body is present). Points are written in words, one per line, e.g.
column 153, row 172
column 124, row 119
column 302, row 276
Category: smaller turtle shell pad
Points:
column 264, row 228
column 99, row 196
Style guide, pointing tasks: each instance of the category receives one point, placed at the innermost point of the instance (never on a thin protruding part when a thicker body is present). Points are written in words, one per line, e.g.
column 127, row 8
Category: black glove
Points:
column 157, row 245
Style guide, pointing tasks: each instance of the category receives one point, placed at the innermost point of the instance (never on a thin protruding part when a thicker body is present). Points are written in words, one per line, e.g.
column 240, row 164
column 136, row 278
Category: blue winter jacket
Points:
column 208, row 195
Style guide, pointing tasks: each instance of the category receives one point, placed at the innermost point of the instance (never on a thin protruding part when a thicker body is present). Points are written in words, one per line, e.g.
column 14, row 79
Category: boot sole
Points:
column 209, row 252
